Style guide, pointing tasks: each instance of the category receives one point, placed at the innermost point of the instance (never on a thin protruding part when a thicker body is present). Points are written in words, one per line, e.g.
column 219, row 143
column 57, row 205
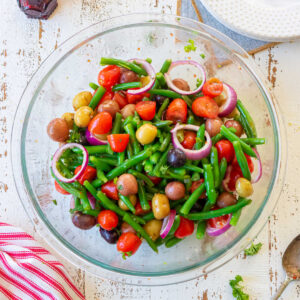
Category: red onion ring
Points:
column 93, row 140
column 151, row 72
column 227, row 179
column 185, row 62
column 259, row 167
column 191, row 154
column 230, row 103
column 59, row 153
column 167, row 223
column 218, row 231
column 92, row 200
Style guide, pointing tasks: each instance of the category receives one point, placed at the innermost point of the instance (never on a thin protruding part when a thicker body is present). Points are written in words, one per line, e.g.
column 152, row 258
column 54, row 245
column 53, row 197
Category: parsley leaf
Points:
column 54, row 201
column 190, row 47
column 253, row 249
column 202, row 55
column 237, row 289
column 74, row 136
column 199, row 82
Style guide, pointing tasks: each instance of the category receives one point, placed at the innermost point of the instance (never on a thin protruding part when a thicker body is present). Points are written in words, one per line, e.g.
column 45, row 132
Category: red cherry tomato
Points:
column 128, row 242
column 108, row 219
column 120, row 99
column 118, row 142
column 205, row 107
column 189, row 139
column 138, row 209
column 235, row 163
column 89, row 174
column 146, row 109
column 212, row 88
column 133, row 99
column 195, row 185
column 60, row 189
column 234, row 175
column 186, row 228
column 110, row 190
column 218, row 222
column 154, row 179
column 109, row 76
column 225, row 149
column 101, row 123
column 177, row 111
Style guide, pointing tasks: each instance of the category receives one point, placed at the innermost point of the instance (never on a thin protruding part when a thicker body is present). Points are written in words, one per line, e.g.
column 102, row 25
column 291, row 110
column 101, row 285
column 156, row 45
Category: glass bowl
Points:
column 68, row 70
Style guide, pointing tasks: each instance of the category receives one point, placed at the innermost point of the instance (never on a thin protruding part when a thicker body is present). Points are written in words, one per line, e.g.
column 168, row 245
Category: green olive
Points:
column 69, row 118
column 244, row 187
column 83, row 116
column 146, row 134
column 132, row 199
column 82, row 99
column 160, row 206
column 153, row 228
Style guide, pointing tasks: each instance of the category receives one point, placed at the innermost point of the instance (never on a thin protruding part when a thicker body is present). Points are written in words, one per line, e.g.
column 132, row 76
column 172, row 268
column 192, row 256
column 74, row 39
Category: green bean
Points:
column 128, row 219
column 126, row 86
column 180, row 171
column 149, row 60
column 101, row 176
column 141, row 176
column 161, row 79
column 165, row 143
column 244, row 124
column 190, row 202
column 187, row 100
column 93, row 149
column 125, row 64
column 163, row 160
column 162, row 124
column 149, row 216
column 191, row 119
column 254, row 141
column 162, row 108
column 210, row 183
column 171, row 175
column 92, row 212
column 129, row 163
column 193, row 168
column 77, row 203
column 127, row 202
column 117, row 124
column 138, row 219
column 96, row 183
column 93, row 85
column 214, row 160
column 204, row 161
column 248, row 119
column 232, row 137
column 121, row 157
column 200, row 233
column 109, row 161
column 219, row 212
column 236, row 215
column 172, row 242
column 97, row 97
column 188, row 183
column 223, row 168
column 148, row 167
column 99, row 164
column 165, row 93
column 195, row 176
column 218, row 137
column 136, row 145
column 154, row 158
column 152, row 190
column 142, row 196
column 136, row 121
column 129, row 150
column 166, row 65
column 158, row 242
column 128, row 120
column 241, row 159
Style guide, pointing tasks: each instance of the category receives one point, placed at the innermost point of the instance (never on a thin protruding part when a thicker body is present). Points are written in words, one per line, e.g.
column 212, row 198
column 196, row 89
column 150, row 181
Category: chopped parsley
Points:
column 190, row 47
column 199, row 82
column 120, row 187
column 74, row 136
column 202, row 55
column 253, row 249
column 126, row 254
column 237, row 289
column 54, row 202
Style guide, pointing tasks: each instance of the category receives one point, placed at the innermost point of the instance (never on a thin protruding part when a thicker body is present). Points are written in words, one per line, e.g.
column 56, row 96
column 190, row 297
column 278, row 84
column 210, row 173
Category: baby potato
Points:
column 82, row 99
column 146, row 134
column 83, row 116
column 153, row 228
column 160, row 206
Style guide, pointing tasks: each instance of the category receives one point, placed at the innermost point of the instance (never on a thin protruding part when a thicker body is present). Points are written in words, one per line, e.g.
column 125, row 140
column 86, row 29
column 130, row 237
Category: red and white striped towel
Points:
column 28, row 271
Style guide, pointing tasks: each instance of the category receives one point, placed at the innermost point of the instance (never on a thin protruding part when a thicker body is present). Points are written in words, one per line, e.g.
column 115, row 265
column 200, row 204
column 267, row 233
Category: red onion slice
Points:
column 258, row 168
column 94, row 140
column 231, row 99
column 218, row 231
column 59, row 153
column 185, row 62
column 151, row 72
column 227, row 179
column 72, row 203
column 92, row 200
column 167, row 224
column 191, row 154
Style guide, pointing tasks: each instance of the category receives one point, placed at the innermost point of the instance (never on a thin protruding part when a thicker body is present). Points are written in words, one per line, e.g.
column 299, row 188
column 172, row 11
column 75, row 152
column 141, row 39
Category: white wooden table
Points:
column 25, row 43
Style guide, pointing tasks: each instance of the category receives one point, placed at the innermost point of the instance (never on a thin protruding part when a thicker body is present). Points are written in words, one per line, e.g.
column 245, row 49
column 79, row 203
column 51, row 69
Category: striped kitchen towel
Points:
column 28, row 271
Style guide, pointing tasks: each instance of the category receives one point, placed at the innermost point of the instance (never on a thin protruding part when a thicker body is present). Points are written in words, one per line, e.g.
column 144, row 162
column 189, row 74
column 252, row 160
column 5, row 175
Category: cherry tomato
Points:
column 205, row 107
column 133, row 99
column 146, row 109
column 108, row 219
column 225, row 149
column 234, row 175
column 109, row 76
column 118, row 142
column 101, row 123
column 138, row 209
column 128, row 242
column 189, row 139
column 110, row 190
column 235, row 163
column 186, row 228
column 154, row 179
column 120, row 99
column 212, row 88
column 195, row 185
column 60, row 189
column 89, row 174
column 218, row 222
column 177, row 111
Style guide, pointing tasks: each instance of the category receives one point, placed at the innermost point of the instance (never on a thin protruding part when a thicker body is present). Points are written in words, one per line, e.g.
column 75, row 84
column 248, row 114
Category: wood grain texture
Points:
column 25, row 43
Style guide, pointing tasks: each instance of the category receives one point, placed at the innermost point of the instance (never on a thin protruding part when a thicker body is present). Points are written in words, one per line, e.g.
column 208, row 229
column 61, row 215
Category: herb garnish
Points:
column 237, row 289
column 253, row 249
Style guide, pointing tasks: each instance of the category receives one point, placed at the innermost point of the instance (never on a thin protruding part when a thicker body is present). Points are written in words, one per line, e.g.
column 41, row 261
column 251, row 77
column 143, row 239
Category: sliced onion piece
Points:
column 167, row 224
column 59, row 153
column 72, row 203
column 151, row 73
column 258, row 167
column 218, row 231
column 191, row 154
column 173, row 87
column 93, row 140
column 92, row 200
column 227, row 179
column 230, row 103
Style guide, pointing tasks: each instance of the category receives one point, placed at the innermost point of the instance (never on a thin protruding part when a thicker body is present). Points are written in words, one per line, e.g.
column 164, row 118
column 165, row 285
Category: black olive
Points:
column 159, row 99
column 111, row 236
column 176, row 158
column 83, row 221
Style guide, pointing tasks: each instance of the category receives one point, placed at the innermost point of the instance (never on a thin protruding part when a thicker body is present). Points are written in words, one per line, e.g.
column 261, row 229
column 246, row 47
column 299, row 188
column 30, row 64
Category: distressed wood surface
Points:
column 25, row 43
